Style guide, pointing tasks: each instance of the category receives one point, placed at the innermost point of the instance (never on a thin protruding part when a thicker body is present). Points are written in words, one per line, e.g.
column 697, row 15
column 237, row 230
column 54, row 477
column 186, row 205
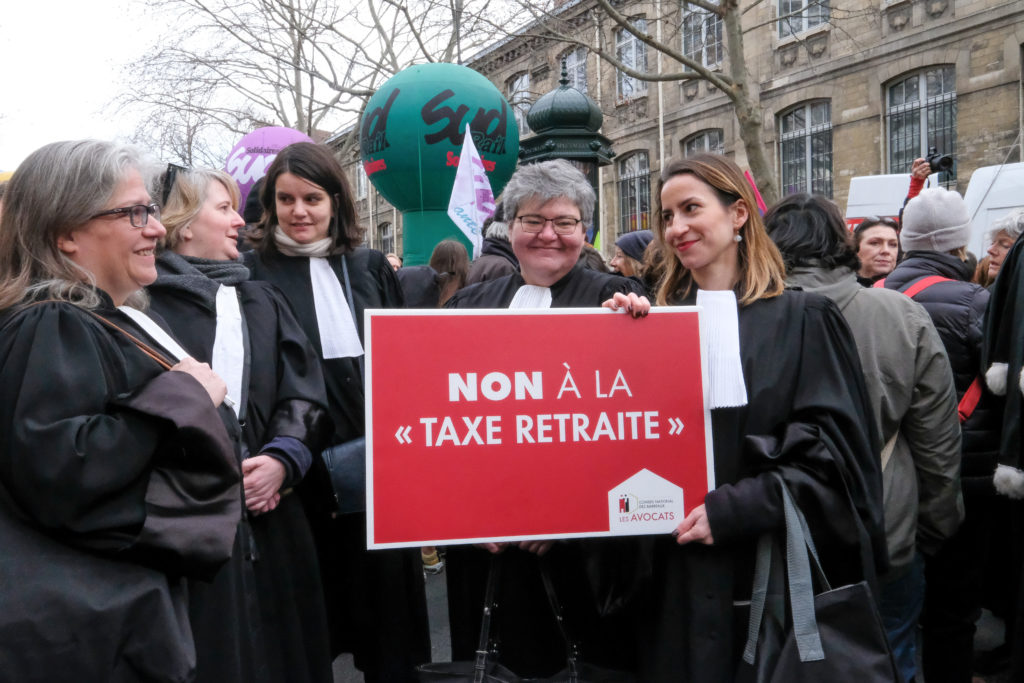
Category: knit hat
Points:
column 935, row 220
column 634, row 243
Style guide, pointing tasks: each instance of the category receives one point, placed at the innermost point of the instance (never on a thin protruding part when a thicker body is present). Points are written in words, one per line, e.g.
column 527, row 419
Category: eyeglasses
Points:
column 138, row 214
column 872, row 221
column 562, row 225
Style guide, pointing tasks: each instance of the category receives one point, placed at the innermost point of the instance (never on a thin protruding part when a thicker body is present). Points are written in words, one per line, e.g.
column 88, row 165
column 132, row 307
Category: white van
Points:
column 992, row 192
column 877, row 195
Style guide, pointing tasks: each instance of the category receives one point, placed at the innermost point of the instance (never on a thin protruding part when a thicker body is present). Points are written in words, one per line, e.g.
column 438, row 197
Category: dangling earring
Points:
column 737, row 237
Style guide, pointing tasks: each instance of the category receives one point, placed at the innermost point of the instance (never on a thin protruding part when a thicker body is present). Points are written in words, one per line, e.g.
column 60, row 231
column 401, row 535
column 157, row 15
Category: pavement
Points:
column 440, row 640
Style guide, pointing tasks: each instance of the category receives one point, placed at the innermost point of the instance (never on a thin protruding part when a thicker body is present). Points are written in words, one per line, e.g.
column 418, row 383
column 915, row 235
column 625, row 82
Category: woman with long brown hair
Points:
column 307, row 244
column 790, row 401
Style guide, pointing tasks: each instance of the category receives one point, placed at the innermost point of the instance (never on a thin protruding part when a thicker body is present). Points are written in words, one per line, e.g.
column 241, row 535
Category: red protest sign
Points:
column 508, row 425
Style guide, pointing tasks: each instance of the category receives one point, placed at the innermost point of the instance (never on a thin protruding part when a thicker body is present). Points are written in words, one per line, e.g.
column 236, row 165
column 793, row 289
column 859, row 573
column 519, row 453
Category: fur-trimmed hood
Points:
column 1002, row 359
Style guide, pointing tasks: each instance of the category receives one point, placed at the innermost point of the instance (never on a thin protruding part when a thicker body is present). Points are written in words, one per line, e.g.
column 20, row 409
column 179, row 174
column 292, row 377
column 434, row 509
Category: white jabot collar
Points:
column 156, row 332
column 531, row 296
column 720, row 338
column 339, row 337
column 228, row 358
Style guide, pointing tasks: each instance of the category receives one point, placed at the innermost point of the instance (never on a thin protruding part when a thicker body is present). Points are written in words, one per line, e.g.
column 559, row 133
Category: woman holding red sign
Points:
column 788, row 399
column 550, row 203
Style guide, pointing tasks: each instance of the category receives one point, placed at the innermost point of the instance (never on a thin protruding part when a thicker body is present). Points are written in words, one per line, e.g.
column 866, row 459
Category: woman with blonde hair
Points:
column 262, row 618
column 790, row 400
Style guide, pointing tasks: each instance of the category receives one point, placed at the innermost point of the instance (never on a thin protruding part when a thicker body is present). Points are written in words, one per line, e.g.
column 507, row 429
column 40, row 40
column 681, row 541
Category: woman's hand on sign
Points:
column 536, row 547
column 492, row 548
column 636, row 306
column 695, row 528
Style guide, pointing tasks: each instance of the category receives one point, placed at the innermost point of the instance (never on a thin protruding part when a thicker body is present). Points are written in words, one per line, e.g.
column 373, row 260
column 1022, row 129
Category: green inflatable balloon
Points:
column 411, row 138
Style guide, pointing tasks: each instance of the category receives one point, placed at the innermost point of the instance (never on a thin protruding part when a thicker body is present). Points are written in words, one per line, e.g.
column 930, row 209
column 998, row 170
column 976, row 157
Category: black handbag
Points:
column 835, row 635
column 346, row 462
column 486, row 669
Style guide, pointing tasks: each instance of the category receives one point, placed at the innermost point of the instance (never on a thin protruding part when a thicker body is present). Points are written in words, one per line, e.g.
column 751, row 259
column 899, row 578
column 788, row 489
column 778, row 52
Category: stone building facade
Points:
column 860, row 87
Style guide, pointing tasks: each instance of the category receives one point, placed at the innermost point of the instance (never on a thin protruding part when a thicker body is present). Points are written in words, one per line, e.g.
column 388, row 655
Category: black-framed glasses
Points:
column 562, row 225
column 170, row 175
column 138, row 214
column 872, row 221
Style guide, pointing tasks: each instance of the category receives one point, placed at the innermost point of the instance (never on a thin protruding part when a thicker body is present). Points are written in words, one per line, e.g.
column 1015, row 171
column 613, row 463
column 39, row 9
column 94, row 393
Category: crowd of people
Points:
column 171, row 378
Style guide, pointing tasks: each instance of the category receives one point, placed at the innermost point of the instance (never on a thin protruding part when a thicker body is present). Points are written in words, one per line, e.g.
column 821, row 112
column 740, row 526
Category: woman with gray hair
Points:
column 546, row 205
column 116, row 476
column 262, row 618
column 1003, row 235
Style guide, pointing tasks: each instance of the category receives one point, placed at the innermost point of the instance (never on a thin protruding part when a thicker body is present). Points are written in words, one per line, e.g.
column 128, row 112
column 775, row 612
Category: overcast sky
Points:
column 60, row 65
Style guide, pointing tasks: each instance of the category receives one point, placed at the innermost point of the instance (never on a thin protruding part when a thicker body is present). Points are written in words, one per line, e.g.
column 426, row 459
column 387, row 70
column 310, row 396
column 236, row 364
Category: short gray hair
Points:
column 1012, row 224
column 547, row 180
column 55, row 190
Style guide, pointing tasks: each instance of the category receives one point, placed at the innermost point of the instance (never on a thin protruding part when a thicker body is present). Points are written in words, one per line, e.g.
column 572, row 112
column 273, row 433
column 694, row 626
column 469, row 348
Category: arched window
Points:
column 634, row 193
column 519, row 97
column 805, row 148
column 709, row 140
column 921, row 114
column 576, row 67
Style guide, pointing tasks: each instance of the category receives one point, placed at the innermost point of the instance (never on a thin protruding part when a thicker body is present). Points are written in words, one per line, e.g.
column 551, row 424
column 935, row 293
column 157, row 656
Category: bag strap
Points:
column 571, row 645
column 972, row 396
column 801, row 588
column 484, row 644
column 921, row 284
column 156, row 332
column 969, row 401
column 143, row 346
column 800, row 551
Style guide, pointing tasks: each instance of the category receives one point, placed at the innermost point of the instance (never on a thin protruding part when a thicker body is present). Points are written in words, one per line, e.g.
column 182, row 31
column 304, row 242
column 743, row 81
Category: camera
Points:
column 939, row 162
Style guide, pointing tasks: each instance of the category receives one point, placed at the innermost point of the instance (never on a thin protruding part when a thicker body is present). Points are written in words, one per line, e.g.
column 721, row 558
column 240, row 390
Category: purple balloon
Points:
column 252, row 156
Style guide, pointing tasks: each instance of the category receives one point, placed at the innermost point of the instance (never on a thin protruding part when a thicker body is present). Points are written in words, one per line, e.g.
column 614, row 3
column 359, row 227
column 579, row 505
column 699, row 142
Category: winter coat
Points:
column 958, row 311
column 910, row 384
column 496, row 260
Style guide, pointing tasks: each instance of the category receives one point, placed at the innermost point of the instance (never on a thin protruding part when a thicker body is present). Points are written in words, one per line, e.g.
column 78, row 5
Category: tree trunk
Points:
column 747, row 105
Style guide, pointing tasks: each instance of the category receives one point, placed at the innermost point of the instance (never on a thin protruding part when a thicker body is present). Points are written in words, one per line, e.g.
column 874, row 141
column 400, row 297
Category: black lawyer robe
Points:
column 115, row 478
column 530, row 641
column 807, row 418
column 376, row 603
column 579, row 288
column 266, row 619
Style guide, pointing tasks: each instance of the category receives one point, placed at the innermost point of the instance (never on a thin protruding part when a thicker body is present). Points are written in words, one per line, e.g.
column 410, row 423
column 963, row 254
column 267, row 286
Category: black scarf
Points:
column 198, row 276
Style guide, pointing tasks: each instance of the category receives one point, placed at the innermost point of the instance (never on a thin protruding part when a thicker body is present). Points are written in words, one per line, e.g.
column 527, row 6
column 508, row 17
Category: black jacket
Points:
column 958, row 311
column 496, row 260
